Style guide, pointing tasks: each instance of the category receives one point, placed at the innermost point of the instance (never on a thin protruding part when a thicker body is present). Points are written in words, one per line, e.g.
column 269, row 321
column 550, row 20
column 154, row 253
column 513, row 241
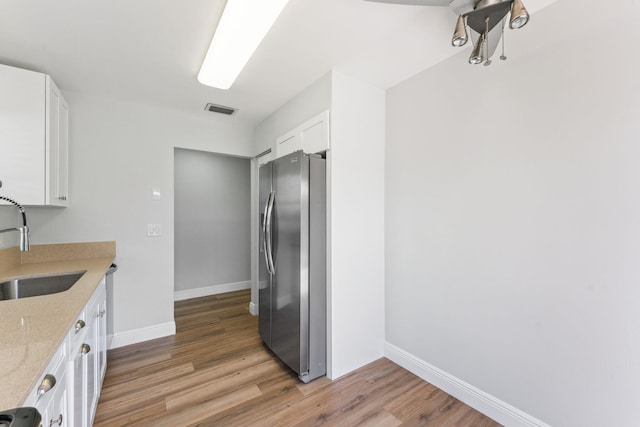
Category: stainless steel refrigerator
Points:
column 292, row 280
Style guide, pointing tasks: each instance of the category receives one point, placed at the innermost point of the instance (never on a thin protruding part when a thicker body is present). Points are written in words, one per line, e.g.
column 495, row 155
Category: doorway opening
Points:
column 212, row 232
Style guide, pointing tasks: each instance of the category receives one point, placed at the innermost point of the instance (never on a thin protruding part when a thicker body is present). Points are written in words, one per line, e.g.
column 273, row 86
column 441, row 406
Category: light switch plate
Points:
column 154, row 230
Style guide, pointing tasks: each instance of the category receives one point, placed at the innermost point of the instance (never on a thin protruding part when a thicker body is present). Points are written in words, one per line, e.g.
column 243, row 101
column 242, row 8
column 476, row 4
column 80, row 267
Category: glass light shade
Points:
column 477, row 54
column 519, row 15
column 460, row 36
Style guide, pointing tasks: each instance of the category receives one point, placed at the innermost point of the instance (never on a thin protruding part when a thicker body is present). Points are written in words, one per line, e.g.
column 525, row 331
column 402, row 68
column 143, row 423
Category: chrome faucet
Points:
column 24, row 230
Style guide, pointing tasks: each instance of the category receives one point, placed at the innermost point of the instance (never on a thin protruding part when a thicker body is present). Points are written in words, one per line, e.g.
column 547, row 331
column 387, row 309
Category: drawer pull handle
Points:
column 85, row 348
column 79, row 325
column 56, row 421
column 47, row 384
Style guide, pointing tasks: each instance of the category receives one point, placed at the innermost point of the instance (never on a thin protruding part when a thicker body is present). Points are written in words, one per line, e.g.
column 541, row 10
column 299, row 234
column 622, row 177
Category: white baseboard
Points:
column 143, row 334
column 210, row 290
column 489, row 405
column 253, row 309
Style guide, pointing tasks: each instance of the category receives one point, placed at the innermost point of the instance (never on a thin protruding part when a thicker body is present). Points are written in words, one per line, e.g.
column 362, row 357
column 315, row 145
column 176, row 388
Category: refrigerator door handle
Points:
column 265, row 246
column 268, row 223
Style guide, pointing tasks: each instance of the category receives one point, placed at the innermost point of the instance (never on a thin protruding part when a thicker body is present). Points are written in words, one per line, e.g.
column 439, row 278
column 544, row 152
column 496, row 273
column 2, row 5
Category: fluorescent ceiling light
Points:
column 243, row 25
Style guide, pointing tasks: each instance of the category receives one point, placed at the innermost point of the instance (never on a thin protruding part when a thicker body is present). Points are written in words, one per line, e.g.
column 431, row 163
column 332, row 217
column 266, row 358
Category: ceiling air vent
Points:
column 220, row 109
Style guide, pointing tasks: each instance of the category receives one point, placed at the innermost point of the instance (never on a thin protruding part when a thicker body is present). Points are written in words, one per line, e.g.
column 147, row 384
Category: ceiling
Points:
column 150, row 51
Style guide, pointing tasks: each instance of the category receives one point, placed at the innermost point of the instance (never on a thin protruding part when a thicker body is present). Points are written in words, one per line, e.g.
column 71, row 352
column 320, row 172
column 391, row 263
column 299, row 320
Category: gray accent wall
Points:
column 212, row 219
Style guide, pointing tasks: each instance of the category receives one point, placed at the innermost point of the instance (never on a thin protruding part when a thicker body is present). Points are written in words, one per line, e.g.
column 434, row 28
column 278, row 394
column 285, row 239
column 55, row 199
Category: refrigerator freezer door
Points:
column 290, row 297
column 264, row 277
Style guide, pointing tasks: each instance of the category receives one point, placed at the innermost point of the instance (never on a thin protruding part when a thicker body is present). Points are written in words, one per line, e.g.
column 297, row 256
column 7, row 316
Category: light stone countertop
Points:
column 31, row 329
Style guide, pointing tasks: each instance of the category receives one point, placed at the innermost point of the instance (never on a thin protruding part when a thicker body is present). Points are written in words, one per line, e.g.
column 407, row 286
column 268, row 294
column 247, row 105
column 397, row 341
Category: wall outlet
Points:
column 154, row 230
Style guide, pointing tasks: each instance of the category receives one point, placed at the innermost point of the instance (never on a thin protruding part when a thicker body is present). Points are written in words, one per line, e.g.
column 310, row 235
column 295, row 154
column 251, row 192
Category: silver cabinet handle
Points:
column 269, row 223
column 79, row 325
column 56, row 421
column 85, row 348
column 47, row 384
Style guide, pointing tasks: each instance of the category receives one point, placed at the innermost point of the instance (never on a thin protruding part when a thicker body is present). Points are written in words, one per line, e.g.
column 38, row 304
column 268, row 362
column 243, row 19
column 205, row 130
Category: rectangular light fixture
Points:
column 243, row 25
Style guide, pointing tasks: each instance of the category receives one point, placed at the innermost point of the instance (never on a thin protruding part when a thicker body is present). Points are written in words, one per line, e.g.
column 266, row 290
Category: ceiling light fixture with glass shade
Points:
column 487, row 20
column 243, row 25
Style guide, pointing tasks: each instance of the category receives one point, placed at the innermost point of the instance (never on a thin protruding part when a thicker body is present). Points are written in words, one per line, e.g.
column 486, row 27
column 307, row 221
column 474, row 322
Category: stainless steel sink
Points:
column 36, row 286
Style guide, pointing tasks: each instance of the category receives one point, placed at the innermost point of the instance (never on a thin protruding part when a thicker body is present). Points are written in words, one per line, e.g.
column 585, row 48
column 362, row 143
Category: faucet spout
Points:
column 25, row 244
column 24, row 230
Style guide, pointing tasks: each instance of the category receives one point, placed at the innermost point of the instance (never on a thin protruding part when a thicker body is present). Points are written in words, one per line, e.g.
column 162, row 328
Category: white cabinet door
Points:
column 288, row 143
column 52, row 402
column 62, row 194
column 56, row 413
column 89, row 359
column 87, row 362
column 315, row 134
column 311, row 137
column 52, row 405
column 22, row 135
column 57, row 146
column 92, row 383
column 82, row 374
column 34, row 134
column 102, row 337
column 76, row 387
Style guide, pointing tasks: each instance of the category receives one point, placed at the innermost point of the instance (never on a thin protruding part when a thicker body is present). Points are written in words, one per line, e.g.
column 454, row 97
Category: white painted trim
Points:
column 211, row 290
column 489, row 405
column 143, row 334
column 253, row 309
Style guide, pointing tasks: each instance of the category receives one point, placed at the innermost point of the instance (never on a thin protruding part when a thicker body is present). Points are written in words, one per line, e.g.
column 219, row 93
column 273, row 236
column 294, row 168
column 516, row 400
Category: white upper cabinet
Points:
column 311, row 136
column 34, row 138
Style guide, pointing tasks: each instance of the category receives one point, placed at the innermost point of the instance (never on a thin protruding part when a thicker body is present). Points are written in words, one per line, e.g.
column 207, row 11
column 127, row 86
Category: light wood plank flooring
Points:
column 216, row 372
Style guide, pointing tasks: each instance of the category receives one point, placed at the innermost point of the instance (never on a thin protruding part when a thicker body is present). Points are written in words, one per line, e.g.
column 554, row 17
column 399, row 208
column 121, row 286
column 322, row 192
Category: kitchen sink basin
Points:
column 40, row 285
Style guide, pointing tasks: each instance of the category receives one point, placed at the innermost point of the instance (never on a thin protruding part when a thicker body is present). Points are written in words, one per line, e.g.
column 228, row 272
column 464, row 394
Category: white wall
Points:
column 118, row 153
column 356, row 236
column 212, row 223
column 512, row 231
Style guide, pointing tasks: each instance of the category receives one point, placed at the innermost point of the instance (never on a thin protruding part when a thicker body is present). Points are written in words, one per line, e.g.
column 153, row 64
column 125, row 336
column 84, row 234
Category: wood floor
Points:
column 216, row 372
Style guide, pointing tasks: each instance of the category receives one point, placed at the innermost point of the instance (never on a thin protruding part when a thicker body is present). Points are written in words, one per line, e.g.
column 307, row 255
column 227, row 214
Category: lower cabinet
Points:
column 69, row 390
